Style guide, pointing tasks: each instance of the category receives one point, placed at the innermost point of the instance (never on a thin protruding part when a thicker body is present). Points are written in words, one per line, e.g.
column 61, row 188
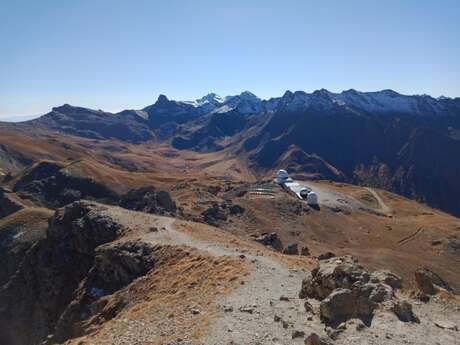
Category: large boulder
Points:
column 220, row 212
column 429, row 282
column 270, row 240
column 344, row 304
column 214, row 214
column 315, row 339
column 236, row 209
column 346, row 290
column 332, row 274
column 148, row 199
column 403, row 310
column 326, row 256
column 388, row 278
column 291, row 249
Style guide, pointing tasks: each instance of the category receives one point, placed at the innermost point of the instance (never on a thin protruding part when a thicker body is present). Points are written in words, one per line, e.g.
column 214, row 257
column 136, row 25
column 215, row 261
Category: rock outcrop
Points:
column 214, row 214
column 331, row 274
column 346, row 290
column 52, row 270
column 291, row 249
column 51, row 185
column 305, row 251
column 429, row 282
column 220, row 212
column 403, row 310
column 270, row 240
column 149, row 200
column 315, row 339
column 115, row 266
column 19, row 232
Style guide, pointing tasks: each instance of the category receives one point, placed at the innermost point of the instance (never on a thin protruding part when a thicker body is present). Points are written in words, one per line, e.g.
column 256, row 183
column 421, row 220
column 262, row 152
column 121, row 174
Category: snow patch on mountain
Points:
column 245, row 103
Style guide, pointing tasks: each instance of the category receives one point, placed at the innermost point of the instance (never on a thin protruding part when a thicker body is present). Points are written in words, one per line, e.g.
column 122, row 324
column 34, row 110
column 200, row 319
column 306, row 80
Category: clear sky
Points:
column 114, row 55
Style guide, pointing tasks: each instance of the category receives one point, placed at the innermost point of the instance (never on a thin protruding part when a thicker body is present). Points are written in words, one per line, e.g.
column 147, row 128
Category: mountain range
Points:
column 406, row 144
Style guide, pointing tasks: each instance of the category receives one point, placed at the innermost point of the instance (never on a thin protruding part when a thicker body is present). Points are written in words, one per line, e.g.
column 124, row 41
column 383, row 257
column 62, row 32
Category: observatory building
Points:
column 302, row 192
column 282, row 177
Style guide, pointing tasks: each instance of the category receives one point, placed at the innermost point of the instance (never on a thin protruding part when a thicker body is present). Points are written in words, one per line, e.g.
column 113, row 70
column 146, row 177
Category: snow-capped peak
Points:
column 246, row 103
column 210, row 98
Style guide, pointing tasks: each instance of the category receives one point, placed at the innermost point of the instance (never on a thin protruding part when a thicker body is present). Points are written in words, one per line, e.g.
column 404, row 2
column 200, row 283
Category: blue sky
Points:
column 114, row 55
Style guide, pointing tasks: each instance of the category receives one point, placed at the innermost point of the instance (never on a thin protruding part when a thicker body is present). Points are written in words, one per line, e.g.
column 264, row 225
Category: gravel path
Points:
column 383, row 207
column 247, row 316
column 265, row 308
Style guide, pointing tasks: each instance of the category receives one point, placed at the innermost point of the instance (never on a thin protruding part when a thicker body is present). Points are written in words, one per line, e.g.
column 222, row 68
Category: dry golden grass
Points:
column 31, row 222
column 158, row 306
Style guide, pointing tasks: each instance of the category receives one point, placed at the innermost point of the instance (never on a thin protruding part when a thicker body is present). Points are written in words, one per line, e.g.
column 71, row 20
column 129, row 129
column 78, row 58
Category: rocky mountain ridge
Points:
column 385, row 101
column 404, row 144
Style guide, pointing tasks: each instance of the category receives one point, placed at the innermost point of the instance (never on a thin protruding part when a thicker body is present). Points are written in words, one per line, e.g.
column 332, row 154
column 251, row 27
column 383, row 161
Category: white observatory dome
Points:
column 312, row 198
column 282, row 176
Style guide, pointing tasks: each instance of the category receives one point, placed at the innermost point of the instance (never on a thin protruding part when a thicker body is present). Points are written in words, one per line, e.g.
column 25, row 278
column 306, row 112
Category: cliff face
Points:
column 18, row 233
column 51, row 272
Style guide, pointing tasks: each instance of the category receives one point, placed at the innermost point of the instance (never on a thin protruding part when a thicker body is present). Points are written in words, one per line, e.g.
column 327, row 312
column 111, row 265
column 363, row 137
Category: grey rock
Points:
column 325, row 256
column 149, row 200
column 271, row 240
column 315, row 339
column 429, row 282
column 291, row 249
column 388, row 278
column 298, row 334
column 305, row 251
column 308, row 307
column 214, row 214
column 331, row 274
column 344, row 304
column 403, row 310
column 236, row 209
column 246, row 309
column 446, row 325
